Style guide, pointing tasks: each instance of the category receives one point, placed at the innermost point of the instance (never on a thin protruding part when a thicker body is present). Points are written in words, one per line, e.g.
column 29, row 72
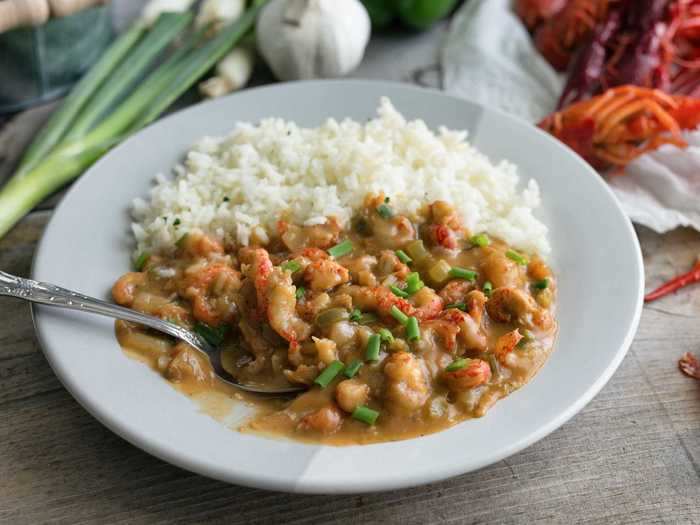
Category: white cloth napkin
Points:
column 489, row 58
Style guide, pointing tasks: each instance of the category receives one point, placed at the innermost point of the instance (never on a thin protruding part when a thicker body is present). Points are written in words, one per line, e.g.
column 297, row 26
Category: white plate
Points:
column 87, row 245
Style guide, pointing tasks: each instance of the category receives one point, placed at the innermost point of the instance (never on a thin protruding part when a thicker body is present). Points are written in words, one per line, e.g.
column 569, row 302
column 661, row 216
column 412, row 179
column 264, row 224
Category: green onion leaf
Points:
column 399, row 315
column 412, row 329
column 385, row 211
column 214, row 335
column 413, row 283
column 373, row 344
column 517, row 257
column 457, row 364
column 324, row 378
column 480, row 240
column 386, row 335
column 398, row 292
column 528, row 337
column 341, row 249
column 355, row 315
column 291, row 266
column 141, row 261
column 458, row 306
column 541, row 285
column 177, row 222
column 365, row 414
column 352, row 369
column 462, row 273
column 487, row 288
column 300, row 292
column 403, row 257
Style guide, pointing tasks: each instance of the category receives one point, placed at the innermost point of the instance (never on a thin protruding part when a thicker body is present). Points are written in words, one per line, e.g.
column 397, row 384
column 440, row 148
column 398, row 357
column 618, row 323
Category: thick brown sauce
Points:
column 191, row 374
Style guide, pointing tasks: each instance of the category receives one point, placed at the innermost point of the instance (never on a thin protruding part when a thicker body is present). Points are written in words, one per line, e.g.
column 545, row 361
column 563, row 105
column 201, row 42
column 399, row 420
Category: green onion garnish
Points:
column 413, row 283
column 487, row 288
column 141, row 261
column 398, row 292
column 459, row 306
column 355, row 315
column 457, row 364
column 300, row 292
column 412, row 329
column 373, row 343
column 528, row 336
column 399, row 315
column 462, row 273
column 385, row 211
column 386, row 335
column 291, row 266
column 341, row 249
column 226, row 199
column 352, row 369
column 517, row 257
column 480, row 240
column 365, row 414
column 541, row 285
column 324, row 378
column 403, row 257
column 368, row 318
column 214, row 335
column 177, row 222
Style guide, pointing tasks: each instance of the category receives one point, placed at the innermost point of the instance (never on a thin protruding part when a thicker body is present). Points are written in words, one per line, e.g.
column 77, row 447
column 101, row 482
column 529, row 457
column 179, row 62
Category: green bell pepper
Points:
column 418, row 14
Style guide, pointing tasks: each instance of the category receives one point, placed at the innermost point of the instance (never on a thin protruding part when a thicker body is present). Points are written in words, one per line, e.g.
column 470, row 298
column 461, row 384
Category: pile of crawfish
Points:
column 633, row 73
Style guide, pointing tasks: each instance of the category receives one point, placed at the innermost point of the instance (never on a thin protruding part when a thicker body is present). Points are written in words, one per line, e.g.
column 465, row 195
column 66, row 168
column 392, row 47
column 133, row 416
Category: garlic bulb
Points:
column 303, row 39
column 232, row 73
column 219, row 12
column 155, row 8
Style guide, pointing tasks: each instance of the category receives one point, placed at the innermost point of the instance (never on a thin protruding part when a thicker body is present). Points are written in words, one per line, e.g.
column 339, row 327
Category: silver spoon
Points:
column 51, row 295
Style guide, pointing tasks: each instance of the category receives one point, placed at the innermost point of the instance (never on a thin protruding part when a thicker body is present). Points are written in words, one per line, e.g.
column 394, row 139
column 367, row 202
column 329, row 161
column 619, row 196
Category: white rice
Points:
column 237, row 186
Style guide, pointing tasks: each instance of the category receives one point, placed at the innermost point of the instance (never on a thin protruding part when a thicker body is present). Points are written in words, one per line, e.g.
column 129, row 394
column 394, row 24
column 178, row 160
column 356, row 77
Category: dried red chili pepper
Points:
column 688, row 278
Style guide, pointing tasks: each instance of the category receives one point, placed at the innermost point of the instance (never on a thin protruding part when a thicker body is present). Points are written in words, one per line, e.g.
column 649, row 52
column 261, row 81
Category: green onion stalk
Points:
column 83, row 128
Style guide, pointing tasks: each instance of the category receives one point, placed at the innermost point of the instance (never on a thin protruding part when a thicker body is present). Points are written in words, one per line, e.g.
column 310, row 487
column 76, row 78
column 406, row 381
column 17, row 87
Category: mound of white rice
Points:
column 237, row 186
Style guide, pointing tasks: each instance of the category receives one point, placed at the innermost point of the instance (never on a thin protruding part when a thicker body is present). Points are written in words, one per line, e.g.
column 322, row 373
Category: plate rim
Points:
column 307, row 486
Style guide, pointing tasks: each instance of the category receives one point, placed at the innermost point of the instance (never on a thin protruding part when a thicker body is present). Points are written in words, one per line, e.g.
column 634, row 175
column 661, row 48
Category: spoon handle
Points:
column 51, row 295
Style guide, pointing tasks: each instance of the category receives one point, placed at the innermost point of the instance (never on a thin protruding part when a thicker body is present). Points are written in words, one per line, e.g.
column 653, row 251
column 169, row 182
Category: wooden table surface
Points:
column 631, row 456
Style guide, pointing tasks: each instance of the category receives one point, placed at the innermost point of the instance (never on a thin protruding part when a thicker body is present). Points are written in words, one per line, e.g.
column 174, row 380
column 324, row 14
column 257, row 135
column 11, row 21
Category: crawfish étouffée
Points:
column 398, row 327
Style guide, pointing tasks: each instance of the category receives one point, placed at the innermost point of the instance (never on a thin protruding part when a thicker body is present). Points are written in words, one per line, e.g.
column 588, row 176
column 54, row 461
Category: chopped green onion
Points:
column 416, row 250
column 367, row 318
column 324, row 378
column 331, row 316
column 300, row 292
column 386, row 200
column 141, row 261
column 352, row 369
column 457, row 364
column 541, row 285
column 386, row 335
column 372, row 351
column 399, row 315
column 528, row 337
column 403, row 257
column 355, row 315
column 226, row 199
column 341, row 249
column 413, row 283
column 398, row 292
column 177, row 222
column 517, row 257
column 365, row 414
column 212, row 334
column 291, row 266
column 385, row 212
column 412, row 329
column 487, row 288
column 480, row 240
column 458, row 306
column 462, row 273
